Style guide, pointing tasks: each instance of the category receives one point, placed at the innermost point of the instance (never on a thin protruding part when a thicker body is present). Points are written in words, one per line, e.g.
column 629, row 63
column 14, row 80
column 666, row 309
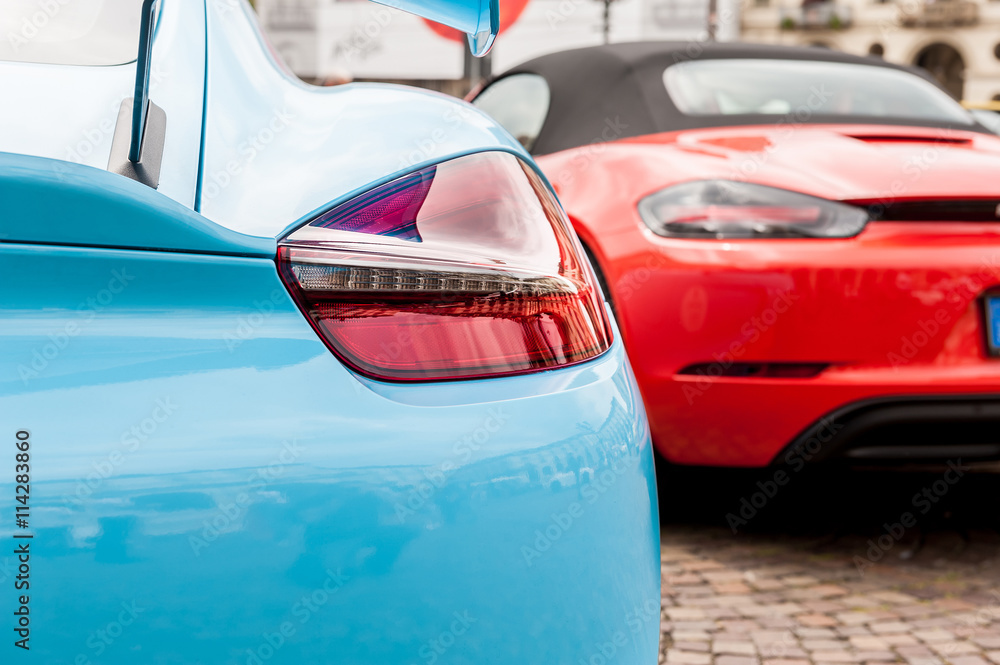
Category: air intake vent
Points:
column 903, row 138
column 987, row 210
column 758, row 370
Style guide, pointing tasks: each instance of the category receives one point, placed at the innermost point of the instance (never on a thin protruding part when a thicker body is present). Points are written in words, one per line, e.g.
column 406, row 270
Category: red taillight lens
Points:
column 464, row 269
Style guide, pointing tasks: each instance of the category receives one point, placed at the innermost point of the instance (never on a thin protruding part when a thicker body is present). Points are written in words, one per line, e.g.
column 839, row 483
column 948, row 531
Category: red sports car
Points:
column 802, row 246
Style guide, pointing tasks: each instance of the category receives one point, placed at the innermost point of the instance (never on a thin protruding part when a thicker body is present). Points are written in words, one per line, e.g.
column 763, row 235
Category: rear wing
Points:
column 52, row 202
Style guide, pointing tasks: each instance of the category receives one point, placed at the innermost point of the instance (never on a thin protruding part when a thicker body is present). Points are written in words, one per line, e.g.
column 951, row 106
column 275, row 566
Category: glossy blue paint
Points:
column 203, row 462
column 56, row 202
column 478, row 19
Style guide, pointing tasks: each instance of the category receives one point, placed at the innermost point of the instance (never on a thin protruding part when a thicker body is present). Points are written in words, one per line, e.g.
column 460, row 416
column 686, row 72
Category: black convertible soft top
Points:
column 621, row 86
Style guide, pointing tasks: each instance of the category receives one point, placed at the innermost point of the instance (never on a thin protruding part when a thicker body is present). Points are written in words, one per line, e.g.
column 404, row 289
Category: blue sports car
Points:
column 297, row 375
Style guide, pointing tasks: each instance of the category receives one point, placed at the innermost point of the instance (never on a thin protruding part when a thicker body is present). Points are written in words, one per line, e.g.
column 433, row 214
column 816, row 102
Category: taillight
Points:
column 724, row 209
column 460, row 270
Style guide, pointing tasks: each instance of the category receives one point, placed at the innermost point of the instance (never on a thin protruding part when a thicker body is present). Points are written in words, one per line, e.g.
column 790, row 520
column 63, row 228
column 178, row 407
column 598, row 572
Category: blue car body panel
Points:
column 201, row 456
column 211, row 485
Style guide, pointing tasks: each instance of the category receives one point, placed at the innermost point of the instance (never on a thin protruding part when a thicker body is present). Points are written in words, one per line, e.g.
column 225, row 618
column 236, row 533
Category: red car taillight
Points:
column 460, row 270
column 725, row 210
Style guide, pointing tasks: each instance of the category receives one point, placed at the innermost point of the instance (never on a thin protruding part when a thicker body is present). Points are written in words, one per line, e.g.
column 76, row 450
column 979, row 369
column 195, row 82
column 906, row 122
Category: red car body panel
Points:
column 894, row 311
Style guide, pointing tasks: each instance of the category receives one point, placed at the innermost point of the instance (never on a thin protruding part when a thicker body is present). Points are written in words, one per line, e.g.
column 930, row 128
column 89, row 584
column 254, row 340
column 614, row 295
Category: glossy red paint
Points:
column 893, row 311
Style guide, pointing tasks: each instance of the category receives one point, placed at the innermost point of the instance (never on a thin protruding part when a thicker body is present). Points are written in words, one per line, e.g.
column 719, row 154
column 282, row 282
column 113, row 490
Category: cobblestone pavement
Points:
column 767, row 599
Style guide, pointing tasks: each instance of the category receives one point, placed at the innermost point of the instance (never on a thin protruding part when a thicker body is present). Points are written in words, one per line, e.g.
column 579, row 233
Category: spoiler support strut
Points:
column 137, row 147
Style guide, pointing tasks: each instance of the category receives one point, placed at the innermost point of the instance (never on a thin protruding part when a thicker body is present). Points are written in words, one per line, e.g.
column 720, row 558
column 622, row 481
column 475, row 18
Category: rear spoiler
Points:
column 52, row 202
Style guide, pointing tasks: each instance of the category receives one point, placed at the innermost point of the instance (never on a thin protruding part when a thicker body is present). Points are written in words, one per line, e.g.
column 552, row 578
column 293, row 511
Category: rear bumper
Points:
column 917, row 429
column 897, row 312
column 210, row 485
column 754, row 423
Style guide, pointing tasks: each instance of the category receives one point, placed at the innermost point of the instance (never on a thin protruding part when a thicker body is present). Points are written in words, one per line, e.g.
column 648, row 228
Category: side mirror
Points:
column 478, row 19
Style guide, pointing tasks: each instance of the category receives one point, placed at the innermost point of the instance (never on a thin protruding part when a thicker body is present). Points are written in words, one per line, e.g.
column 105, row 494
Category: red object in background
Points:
column 893, row 313
column 510, row 11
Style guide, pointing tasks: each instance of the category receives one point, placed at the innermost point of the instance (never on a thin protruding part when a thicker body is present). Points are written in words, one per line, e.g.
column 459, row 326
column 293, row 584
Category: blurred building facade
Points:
column 334, row 40
column 320, row 39
column 956, row 40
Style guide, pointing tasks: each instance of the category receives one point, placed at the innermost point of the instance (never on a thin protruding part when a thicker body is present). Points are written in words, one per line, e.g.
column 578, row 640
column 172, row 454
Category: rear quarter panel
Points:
column 209, row 485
